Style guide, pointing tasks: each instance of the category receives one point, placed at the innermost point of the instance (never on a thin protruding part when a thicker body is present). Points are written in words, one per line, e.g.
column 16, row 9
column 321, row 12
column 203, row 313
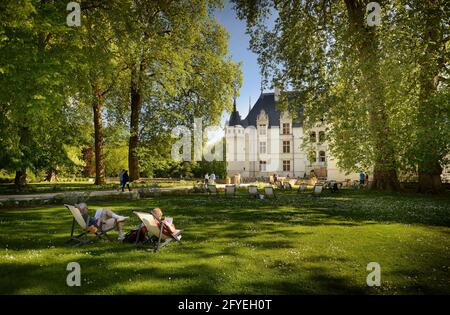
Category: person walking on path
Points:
column 121, row 178
column 125, row 181
column 362, row 179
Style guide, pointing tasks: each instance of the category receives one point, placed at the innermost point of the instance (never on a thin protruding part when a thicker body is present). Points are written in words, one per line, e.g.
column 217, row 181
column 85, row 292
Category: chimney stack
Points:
column 277, row 93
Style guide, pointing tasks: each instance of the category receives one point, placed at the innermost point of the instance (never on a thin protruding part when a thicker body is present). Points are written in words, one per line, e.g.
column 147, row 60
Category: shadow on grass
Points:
column 221, row 237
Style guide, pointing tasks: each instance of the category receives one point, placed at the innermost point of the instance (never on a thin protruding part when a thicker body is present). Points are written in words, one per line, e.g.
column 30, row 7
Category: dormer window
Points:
column 262, row 129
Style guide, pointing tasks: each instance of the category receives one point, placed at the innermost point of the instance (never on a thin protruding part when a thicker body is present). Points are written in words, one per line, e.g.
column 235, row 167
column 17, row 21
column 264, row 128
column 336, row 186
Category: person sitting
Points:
column 168, row 222
column 104, row 218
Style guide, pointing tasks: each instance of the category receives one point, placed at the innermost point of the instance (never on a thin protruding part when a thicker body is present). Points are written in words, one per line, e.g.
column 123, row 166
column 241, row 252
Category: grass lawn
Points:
column 293, row 245
column 46, row 187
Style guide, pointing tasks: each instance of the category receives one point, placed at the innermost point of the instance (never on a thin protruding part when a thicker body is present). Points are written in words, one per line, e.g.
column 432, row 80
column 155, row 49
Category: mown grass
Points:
column 46, row 187
column 292, row 245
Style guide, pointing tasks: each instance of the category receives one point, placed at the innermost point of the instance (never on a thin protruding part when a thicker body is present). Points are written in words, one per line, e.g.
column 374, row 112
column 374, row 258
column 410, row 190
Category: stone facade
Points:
column 268, row 142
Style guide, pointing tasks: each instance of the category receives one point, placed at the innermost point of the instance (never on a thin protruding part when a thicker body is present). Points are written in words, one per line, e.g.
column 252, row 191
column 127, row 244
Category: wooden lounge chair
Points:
column 212, row 189
column 230, row 190
column 199, row 187
column 279, row 185
column 301, row 187
column 154, row 235
column 317, row 190
column 269, row 192
column 253, row 191
column 82, row 238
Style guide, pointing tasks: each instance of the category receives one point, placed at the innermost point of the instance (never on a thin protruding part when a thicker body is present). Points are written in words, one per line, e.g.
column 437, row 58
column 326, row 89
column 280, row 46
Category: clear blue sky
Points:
column 238, row 46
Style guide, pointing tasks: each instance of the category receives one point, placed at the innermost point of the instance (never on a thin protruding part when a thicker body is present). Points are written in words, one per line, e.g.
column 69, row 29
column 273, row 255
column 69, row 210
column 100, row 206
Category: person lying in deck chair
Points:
column 105, row 216
column 168, row 222
column 158, row 231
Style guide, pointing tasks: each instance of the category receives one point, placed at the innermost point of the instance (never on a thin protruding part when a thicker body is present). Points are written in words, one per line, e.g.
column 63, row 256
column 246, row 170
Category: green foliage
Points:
column 36, row 116
column 116, row 159
column 372, row 85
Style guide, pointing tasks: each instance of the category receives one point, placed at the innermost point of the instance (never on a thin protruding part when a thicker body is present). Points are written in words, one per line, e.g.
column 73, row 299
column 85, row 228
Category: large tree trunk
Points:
column 366, row 43
column 429, row 168
column 25, row 144
column 136, row 105
column 21, row 178
column 89, row 168
column 429, row 180
column 98, row 137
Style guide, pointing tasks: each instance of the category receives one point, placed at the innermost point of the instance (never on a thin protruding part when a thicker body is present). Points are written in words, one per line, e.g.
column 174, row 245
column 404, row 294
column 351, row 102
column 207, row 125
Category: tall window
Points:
column 286, row 147
column 286, row 166
column 321, row 136
column 286, row 128
column 312, row 156
column 262, row 166
column 322, row 156
column 312, row 137
column 262, row 147
column 262, row 130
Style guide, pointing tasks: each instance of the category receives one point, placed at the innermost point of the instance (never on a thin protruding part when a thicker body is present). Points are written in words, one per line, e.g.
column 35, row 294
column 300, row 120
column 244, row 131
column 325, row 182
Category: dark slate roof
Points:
column 235, row 119
column 266, row 102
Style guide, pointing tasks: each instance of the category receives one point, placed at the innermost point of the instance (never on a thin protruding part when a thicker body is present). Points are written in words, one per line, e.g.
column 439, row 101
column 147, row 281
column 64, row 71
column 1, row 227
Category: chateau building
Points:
column 270, row 142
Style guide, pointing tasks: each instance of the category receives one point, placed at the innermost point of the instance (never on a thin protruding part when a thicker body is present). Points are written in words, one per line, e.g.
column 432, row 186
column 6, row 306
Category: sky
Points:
column 238, row 47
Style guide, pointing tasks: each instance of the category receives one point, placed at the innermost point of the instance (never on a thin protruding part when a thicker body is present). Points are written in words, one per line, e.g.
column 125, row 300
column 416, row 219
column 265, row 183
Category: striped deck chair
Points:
column 154, row 235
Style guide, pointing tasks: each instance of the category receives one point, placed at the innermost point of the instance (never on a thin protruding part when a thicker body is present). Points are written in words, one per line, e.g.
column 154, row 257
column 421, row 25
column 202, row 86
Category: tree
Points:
column 342, row 71
column 420, row 49
column 97, row 72
column 36, row 118
column 176, row 57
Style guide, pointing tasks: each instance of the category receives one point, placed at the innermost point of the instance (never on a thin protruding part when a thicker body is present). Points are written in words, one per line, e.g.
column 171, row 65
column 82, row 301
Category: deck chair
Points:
column 269, row 192
column 279, row 185
column 230, row 190
column 82, row 238
column 287, row 186
column 253, row 191
column 212, row 189
column 154, row 235
column 317, row 190
column 301, row 188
